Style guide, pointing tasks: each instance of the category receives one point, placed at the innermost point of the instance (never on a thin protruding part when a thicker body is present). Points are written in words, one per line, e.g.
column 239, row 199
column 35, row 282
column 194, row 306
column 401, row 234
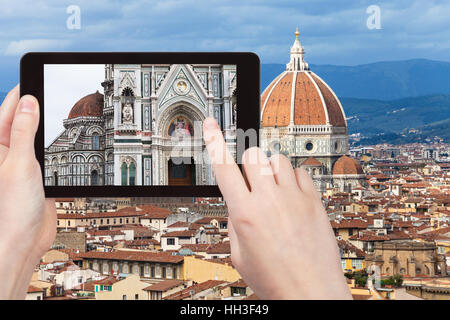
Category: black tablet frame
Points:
column 248, row 111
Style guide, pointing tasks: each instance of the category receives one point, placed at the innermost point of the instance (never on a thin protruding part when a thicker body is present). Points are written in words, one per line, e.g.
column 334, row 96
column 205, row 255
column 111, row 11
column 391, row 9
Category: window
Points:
column 132, row 170
column 309, row 146
column 163, row 272
column 174, row 273
column 136, row 297
column 237, row 291
column 357, row 264
column 95, row 142
column 344, row 264
column 94, row 178
column 152, row 271
column 124, row 297
column 170, row 241
column 124, row 171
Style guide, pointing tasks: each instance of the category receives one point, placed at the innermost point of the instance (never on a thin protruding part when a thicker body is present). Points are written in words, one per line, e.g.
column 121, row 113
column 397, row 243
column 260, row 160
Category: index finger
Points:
column 229, row 177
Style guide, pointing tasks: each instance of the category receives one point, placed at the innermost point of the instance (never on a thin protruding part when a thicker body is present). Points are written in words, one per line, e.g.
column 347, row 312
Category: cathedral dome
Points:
column 88, row 106
column 347, row 165
column 300, row 97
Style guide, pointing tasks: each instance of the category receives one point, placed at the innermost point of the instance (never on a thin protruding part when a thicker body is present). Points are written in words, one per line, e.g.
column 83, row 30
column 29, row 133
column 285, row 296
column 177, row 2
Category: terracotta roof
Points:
column 346, row 247
column 311, row 161
column 313, row 101
column 347, row 165
column 164, row 285
column 178, row 224
column 237, row 284
column 133, row 256
column 183, row 233
column 88, row 106
column 104, row 232
column 196, row 288
column 219, row 248
column 358, row 224
column 153, row 212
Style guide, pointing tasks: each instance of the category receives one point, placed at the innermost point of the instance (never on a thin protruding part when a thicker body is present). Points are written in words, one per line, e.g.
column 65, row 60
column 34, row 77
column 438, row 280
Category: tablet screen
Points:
column 134, row 124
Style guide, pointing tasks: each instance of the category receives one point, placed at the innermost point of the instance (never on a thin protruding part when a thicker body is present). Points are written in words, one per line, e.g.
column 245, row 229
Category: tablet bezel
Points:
column 247, row 94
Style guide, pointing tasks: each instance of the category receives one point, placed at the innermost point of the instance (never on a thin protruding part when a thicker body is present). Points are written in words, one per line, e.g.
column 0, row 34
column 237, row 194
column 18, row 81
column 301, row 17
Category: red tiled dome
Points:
column 89, row 106
column 305, row 96
column 300, row 97
column 312, row 162
column 347, row 165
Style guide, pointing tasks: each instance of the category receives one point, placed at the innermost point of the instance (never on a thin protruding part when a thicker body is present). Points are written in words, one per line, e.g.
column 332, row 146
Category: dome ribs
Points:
column 335, row 114
column 308, row 108
column 277, row 110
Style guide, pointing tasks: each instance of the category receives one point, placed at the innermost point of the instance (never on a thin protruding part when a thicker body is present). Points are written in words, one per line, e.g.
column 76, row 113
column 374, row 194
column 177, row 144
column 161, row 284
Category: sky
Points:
column 80, row 79
column 333, row 32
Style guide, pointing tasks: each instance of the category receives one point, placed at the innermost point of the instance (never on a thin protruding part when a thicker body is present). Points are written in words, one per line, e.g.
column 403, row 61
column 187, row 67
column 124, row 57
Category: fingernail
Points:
column 27, row 105
column 210, row 123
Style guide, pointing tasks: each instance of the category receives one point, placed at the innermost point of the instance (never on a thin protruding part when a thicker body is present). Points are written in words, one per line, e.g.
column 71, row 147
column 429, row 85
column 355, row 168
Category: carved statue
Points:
column 127, row 113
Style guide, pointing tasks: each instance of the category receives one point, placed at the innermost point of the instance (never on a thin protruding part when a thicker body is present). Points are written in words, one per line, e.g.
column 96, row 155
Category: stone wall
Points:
column 70, row 240
column 407, row 258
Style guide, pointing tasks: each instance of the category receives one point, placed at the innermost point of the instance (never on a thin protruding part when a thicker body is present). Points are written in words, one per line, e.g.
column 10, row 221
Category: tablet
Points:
column 130, row 124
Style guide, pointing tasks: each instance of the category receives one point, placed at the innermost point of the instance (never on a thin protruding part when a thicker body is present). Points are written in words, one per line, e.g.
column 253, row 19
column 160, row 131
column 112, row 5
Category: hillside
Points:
column 392, row 121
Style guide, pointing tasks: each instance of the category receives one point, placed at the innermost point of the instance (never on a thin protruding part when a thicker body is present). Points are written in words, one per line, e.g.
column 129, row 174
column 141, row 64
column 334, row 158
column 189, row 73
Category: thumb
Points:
column 23, row 130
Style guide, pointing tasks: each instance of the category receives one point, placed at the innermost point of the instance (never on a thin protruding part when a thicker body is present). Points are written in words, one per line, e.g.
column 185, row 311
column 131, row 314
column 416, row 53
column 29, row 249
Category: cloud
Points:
column 333, row 32
column 18, row 48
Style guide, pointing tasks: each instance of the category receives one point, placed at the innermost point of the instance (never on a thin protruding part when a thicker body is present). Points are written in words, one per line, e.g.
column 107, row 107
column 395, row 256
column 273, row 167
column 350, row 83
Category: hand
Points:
column 282, row 243
column 27, row 220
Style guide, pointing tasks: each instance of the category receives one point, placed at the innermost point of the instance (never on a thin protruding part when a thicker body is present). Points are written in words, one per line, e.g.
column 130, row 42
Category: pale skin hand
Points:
column 281, row 240
column 27, row 220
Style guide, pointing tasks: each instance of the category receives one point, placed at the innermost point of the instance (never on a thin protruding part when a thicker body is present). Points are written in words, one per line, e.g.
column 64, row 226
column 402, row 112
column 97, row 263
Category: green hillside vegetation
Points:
column 419, row 119
column 376, row 116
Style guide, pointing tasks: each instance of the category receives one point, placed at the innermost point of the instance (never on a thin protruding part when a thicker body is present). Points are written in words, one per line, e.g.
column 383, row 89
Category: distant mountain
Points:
column 380, row 80
column 401, row 120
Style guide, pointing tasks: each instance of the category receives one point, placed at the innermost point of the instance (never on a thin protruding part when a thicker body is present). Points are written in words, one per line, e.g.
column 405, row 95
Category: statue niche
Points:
column 127, row 106
column 127, row 113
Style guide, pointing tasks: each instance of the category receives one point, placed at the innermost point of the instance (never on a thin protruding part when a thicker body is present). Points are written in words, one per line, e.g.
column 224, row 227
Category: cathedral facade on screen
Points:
column 302, row 118
column 141, row 129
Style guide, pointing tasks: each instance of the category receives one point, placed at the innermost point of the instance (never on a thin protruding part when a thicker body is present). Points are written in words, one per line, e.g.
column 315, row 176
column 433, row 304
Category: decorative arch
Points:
column 93, row 156
column 182, row 108
column 78, row 155
column 94, row 129
column 127, row 92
